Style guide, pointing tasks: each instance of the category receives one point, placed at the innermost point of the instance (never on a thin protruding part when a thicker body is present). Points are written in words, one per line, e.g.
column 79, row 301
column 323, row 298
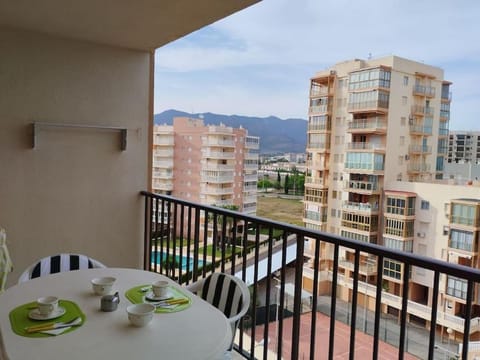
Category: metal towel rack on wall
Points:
column 37, row 125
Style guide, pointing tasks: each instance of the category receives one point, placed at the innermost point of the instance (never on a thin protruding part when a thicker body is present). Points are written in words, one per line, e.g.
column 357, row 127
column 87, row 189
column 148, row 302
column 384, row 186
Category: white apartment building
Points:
column 464, row 147
column 376, row 142
column 214, row 165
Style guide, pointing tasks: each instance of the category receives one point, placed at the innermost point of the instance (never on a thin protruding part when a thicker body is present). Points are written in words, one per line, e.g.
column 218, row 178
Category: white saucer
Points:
column 151, row 296
column 35, row 314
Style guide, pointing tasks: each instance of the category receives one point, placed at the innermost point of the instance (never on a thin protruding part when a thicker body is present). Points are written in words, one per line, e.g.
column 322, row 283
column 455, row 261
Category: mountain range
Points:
column 276, row 135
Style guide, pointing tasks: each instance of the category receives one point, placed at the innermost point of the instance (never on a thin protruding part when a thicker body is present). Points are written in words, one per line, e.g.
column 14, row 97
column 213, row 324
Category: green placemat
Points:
column 19, row 319
column 136, row 296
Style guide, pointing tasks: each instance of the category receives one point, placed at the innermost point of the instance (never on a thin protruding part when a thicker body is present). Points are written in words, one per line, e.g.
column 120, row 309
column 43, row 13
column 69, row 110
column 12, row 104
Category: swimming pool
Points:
column 181, row 261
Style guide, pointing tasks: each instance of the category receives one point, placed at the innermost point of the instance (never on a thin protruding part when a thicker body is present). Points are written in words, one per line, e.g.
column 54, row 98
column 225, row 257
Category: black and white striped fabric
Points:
column 223, row 292
column 59, row 263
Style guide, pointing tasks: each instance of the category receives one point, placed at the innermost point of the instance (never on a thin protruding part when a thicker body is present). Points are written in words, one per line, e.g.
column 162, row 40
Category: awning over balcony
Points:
column 141, row 24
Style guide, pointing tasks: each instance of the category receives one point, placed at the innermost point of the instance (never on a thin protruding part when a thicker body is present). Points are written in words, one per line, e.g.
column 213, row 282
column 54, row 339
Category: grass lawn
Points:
column 218, row 252
column 285, row 210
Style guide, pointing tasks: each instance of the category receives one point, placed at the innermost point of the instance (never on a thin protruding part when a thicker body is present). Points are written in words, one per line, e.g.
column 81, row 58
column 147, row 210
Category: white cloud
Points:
column 277, row 35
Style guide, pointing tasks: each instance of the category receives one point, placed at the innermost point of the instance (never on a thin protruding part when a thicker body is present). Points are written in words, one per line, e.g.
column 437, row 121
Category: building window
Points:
column 403, row 121
column 392, row 269
column 457, row 287
column 424, row 205
column 333, row 212
column 462, row 240
column 404, row 100
column 400, row 160
column 402, row 245
column 401, row 141
column 405, row 80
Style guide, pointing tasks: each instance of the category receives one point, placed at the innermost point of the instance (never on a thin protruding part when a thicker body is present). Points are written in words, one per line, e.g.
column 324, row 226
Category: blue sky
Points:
column 258, row 62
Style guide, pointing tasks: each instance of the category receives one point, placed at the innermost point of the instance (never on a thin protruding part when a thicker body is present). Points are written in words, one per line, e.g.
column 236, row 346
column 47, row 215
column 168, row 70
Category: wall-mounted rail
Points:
column 36, row 126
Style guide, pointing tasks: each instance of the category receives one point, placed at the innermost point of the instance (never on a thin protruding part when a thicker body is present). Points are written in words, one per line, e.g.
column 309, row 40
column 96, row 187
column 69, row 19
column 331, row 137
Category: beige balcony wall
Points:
column 76, row 191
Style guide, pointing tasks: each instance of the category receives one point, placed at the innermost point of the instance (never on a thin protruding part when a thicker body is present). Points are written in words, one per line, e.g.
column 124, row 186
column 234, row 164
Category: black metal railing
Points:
column 186, row 240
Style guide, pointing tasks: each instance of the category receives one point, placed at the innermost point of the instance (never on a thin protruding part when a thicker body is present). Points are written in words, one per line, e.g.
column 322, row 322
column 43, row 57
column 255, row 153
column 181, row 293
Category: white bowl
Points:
column 140, row 314
column 103, row 285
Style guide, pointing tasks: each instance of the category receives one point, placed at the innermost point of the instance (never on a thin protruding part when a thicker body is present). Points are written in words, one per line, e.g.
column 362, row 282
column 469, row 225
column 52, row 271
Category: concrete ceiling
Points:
column 135, row 24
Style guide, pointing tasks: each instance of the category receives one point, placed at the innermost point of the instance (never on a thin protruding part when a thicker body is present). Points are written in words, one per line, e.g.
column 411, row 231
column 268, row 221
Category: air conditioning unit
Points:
column 420, row 234
column 407, row 157
column 333, row 72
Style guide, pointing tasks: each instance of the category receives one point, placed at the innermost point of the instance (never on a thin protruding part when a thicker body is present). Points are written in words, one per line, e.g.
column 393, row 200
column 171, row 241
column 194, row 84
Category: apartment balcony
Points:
column 252, row 143
column 367, row 146
column 315, row 182
column 212, row 166
column 368, row 107
column 419, row 149
column 444, row 115
column 221, row 155
column 165, row 164
column 375, row 125
column 421, row 110
column 317, row 164
column 162, row 185
column 216, row 190
column 220, row 130
column 320, row 128
column 162, row 152
column 420, row 130
column 320, row 91
column 366, row 208
column 418, row 168
column 321, row 147
column 362, row 187
column 164, row 140
column 251, row 156
column 250, row 188
column 319, row 109
column 218, row 178
column 269, row 246
column 218, row 142
column 250, row 177
column 443, row 132
column 370, row 168
column 162, row 174
column 249, row 198
column 250, row 165
column 425, row 91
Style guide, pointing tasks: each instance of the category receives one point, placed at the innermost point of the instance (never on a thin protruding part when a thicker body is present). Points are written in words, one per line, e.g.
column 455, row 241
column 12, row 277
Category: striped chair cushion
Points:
column 223, row 292
column 60, row 263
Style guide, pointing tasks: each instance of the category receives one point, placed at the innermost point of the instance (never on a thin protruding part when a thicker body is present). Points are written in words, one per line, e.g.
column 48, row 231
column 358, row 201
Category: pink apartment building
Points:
column 214, row 165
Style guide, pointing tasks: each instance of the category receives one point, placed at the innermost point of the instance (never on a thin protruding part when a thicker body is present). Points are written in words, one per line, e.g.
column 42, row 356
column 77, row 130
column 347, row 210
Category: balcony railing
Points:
column 374, row 124
column 364, row 146
column 200, row 239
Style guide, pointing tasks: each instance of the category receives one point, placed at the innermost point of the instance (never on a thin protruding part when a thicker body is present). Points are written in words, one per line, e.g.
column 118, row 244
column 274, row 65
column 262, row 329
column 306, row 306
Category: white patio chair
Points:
column 227, row 293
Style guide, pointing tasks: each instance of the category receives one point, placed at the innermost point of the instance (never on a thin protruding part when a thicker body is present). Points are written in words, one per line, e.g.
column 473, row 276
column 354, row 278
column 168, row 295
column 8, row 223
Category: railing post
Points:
column 297, row 299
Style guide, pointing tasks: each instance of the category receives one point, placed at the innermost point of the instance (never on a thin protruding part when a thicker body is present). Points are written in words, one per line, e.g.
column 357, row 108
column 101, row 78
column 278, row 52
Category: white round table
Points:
column 198, row 332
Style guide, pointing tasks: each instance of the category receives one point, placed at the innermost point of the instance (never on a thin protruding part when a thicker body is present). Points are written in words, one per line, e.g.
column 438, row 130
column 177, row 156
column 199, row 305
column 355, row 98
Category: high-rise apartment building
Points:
column 214, row 165
column 464, row 147
column 377, row 138
column 370, row 122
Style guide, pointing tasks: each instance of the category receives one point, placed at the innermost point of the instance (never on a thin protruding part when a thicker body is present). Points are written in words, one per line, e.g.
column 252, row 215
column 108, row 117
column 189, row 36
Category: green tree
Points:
column 286, row 184
column 229, row 226
column 279, row 180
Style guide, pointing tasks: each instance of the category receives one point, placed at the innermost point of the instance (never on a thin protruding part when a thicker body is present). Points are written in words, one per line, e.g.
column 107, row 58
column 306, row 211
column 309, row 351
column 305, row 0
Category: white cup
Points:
column 160, row 288
column 103, row 285
column 47, row 305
